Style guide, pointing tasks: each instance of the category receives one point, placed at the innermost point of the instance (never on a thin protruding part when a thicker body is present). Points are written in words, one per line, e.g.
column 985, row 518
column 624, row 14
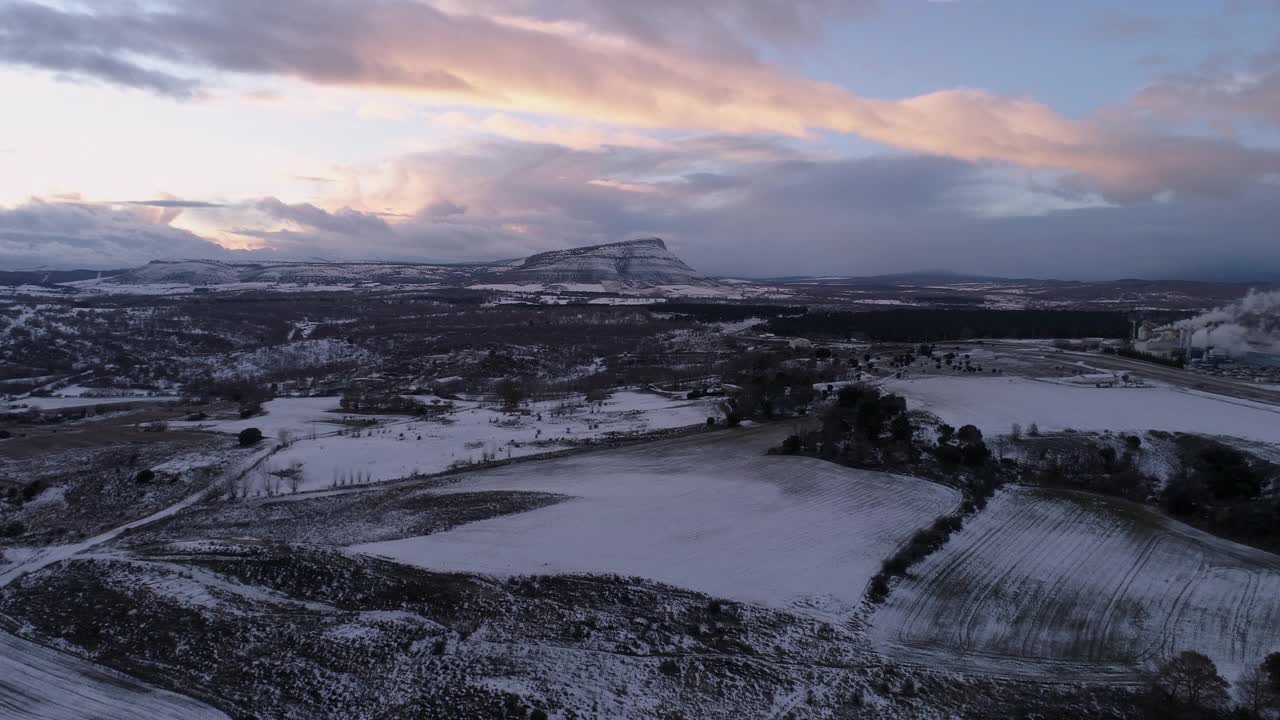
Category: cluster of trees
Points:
column 1221, row 488
column 932, row 325
column 724, row 312
column 379, row 400
column 1096, row 467
column 1188, row 686
column 248, row 394
column 864, row 425
column 768, row 386
column 961, row 447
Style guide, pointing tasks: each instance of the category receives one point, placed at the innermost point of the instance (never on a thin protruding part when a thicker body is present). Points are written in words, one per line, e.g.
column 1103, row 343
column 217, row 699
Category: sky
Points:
column 1085, row 140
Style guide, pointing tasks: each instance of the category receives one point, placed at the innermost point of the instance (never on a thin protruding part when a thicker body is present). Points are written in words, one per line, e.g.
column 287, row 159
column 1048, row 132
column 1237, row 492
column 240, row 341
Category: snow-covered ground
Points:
column 399, row 446
column 37, row 683
column 299, row 416
column 710, row 513
column 995, row 404
column 1055, row 582
column 57, row 403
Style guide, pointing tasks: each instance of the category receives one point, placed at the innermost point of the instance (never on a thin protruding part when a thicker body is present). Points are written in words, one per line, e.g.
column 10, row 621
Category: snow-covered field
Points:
column 37, row 683
column 710, row 513
column 994, row 404
column 298, row 416
column 400, row 446
column 1059, row 582
column 58, row 403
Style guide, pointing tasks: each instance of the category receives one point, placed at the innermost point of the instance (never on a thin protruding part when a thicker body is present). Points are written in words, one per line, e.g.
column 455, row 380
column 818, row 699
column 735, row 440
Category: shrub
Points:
column 12, row 529
column 144, row 476
column 949, row 456
column 249, row 436
column 31, row 490
column 511, row 392
column 669, row 668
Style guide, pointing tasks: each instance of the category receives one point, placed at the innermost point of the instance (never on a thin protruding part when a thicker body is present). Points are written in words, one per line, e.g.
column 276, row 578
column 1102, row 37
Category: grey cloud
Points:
column 91, row 236
column 1220, row 90
column 170, row 203
column 41, row 37
column 444, row 208
column 766, row 213
column 700, row 83
column 718, row 27
column 344, row 222
column 793, row 215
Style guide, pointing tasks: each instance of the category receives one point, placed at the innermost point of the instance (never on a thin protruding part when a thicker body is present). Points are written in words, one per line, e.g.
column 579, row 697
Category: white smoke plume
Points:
column 1252, row 323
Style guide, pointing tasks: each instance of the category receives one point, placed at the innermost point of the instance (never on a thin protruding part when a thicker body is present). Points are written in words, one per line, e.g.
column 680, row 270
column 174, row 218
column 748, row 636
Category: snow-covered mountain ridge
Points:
column 632, row 264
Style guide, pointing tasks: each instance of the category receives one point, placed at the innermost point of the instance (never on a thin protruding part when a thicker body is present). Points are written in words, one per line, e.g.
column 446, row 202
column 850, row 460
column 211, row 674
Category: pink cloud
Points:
column 618, row 70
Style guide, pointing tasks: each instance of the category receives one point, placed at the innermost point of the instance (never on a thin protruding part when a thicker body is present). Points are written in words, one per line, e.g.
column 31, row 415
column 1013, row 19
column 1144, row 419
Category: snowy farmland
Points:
column 42, row 684
column 400, row 446
column 709, row 514
column 1060, row 582
column 995, row 404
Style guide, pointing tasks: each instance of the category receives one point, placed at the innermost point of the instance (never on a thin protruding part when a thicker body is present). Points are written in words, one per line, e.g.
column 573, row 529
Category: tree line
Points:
column 934, row 325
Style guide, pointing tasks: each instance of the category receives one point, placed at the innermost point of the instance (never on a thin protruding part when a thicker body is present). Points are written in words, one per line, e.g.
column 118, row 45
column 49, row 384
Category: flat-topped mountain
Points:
column 635, row 263
column 632, row 264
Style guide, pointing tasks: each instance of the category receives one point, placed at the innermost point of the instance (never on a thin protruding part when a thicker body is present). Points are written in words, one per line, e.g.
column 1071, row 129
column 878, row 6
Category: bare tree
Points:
column 294, row 475
column 1254, row 691
column 1191, row 678
column 510, row 392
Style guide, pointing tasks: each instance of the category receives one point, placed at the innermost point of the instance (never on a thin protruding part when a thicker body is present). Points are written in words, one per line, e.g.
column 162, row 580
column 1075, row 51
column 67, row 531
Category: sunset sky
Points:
column 1083, row 139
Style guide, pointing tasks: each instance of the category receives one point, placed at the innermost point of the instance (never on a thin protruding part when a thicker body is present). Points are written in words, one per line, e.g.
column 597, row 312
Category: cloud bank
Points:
column 610, row 62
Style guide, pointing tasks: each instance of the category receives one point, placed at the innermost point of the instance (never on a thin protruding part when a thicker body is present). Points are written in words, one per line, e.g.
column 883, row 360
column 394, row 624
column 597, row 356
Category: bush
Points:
column 31, row 490
column 791, row 445
column 949, row 456
column 5, row 435
column 12, row 529
column 144, row 476
column 249, row 436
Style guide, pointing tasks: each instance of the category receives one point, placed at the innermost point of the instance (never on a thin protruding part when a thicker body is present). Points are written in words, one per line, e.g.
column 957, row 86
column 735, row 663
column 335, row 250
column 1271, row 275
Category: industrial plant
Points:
column 1238, row 340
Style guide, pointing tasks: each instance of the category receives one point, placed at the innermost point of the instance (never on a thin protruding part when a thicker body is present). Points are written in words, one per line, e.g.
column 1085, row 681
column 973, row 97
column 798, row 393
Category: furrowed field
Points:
column 1059, row 582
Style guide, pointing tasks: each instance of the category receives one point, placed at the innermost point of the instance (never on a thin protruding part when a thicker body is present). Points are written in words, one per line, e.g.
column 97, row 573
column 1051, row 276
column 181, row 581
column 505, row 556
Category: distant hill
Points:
column 632, row 264
column 635, row 263
column 50, row 278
